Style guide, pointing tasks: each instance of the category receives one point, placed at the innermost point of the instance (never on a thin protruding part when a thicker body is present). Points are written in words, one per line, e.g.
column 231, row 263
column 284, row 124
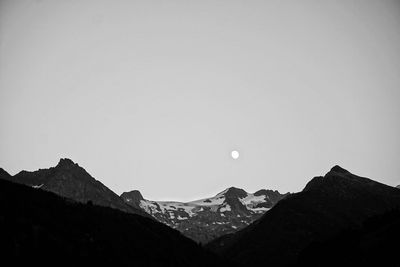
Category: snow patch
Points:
column 260, row 210
column 148, row 206
column 251, row 201
column 225, row 208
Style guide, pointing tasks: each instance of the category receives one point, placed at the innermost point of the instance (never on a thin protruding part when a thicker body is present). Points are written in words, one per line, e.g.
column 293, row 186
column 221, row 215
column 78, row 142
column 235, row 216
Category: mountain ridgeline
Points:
column 64, row 216
column 327, row 206
column 206, row 219
column 69, row 180
column 41, row 228
column 201, row 220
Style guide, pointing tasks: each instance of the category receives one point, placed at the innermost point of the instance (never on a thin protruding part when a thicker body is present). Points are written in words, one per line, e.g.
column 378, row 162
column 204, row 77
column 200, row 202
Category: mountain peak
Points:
column 338, row 169
column 72, row 181
column 265, row 192
column 4, row 174
column 332, row 178
column 233, row 189
column 338, row 180
column 233, row 192
column 133, row 195
column 132, row 198
column 65, row 162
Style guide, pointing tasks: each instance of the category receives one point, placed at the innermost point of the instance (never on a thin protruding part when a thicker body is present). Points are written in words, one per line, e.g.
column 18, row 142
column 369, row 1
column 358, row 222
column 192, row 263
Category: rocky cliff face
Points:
column 205, row 219
column 133, row 198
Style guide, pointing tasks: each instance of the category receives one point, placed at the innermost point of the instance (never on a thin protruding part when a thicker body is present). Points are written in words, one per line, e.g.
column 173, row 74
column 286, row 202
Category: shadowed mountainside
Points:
column 326, row 206
column 337, row 219
column 373, row 243
column 201, row 220
column 69, row 180
column 39, row 227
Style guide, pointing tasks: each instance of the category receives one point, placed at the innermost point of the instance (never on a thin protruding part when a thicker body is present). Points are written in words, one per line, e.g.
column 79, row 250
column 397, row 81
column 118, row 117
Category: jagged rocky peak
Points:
column 66, row 163
column 234, row 192
column 133, row 195
column 338, row 170
column 337, row 180
column 266, row 192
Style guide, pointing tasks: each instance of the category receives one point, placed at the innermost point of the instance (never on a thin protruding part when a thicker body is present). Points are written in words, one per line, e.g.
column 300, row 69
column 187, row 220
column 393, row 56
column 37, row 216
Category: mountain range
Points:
column 206, row 219
column 201, row 220
column 337, row 219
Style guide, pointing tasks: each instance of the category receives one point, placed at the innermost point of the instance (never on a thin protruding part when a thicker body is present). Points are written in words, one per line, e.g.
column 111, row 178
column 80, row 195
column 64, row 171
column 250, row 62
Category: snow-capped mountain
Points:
column 208, row 218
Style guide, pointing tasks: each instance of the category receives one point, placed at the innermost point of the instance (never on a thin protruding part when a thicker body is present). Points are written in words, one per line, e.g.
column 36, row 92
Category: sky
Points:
column 154, row 95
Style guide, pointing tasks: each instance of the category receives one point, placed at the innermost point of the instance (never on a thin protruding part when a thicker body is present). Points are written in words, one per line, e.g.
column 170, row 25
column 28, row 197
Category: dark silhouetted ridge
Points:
column 40, row 228
column 326, row 206
column 66, row 163
column 372, row 243
column 4, row 175
column 69, row 180
column 338, row 169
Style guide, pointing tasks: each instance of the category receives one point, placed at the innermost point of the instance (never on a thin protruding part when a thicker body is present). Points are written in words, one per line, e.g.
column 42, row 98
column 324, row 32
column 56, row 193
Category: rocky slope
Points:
column 206, row 219
column 69, row 180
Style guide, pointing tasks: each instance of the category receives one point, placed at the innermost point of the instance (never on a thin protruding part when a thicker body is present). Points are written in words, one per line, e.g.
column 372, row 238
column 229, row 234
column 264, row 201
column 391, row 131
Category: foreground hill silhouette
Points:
column 39, row 227
column 373, row 243
column 327, row 206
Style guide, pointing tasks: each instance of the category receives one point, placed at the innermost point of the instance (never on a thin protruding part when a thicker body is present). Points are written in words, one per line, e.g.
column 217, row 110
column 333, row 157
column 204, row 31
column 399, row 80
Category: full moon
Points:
column 235, row 154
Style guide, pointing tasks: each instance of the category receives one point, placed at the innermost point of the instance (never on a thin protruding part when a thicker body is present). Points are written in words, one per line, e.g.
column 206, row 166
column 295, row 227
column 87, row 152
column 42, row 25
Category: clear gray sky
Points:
column 154, row 95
